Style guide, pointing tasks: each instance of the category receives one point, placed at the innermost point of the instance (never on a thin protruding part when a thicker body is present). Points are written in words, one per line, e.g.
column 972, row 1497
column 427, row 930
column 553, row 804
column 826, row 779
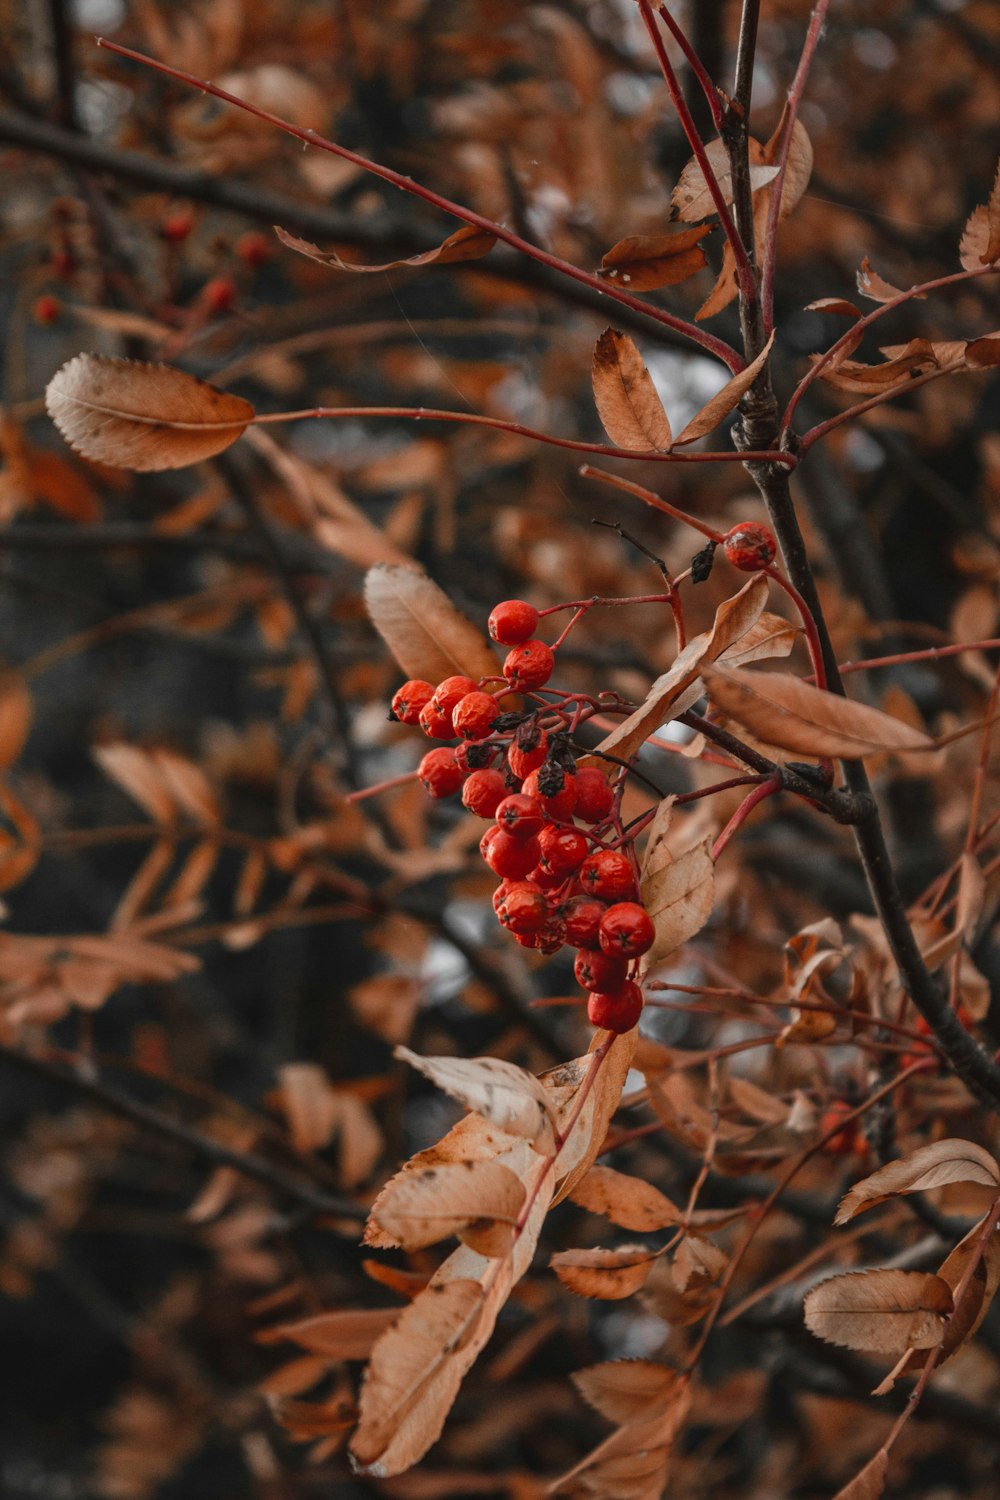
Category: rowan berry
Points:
column 598, row 971
column 218, row 295
column 254, row 250
column 520, row 817
column 507, row 857
column 512, row 621
column 501, row 891
column 849, row 1140
column 46, row 310
column 439, row 773
column 523, row 908
column 408, row 700
column 582, row 916
column 618, row 1010
column 563, row 849
column 607, row 875
column 176, row 226
column 561, row 805
column 473, row 715
column 627, row 930
column 749, row 546
column 594, row 797
column 449, row 693
column 549, row 880
column 528, row 666
column 552, row 935
column 435, row 725
column 483, row 793
column 528, row 751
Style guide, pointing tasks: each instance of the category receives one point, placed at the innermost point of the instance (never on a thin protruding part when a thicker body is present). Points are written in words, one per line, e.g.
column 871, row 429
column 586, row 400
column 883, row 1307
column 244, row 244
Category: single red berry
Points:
column 483, row 793
column 847, row 1141
column 507, row 857
column 474, row 714
column 177, row 225
column 594, row 797
column 254, row 250
column 627, row 930
column 408, row 700
column 46, row 310
column 607, row 875
column 559, row 806
column 598, row 971
column 218, row 295
column 528, row 666
column 435, row 725
column 513, row 621
column 523, row 908
column 523, row 759
column 63, row 263
column 439, row 773
column 552, row 935
column 563, row 849
column 449, row 693
column 501, row 889
column 582, row 916
column 749, row 546
column 521, row 817
column 616, row 1011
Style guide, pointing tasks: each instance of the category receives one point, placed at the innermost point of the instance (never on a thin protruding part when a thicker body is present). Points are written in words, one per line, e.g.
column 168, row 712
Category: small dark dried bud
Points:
column 529, row 735
column 701, row 563
column 551, row 779
column 504, row 723
column 478, row 756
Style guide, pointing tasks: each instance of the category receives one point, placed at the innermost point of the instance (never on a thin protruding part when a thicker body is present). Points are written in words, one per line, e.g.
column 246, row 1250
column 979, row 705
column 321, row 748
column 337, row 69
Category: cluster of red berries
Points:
column 552, row 836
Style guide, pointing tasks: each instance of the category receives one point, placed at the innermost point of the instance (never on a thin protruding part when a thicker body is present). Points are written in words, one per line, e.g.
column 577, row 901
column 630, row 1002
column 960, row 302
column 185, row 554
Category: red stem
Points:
column 744, row 271
column 759, row 794
column 697, row 67
column 587, row 471
column 808, row 624
column 904, row 386
column 707, row 341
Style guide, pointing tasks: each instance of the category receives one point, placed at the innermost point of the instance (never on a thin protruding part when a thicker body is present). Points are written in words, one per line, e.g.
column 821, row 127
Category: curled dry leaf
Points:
column 723, row 402
column 643, row 262
column 626, row 397
column 337, row 1335
column 609, row 1275
column 838, row 305
column 134, row 415
column 499, row 1091
column 870, row 1483
column 679, row 898
column 874, row 286
column 627, row 1201
column 783, row 710
column 467, row 243
column 422, row 628
column 933, row 1166
column 626, row 1390
column 425, row 1206
column 980, row 244
column 691, row 200
column 15, row 717
column 882, row 1312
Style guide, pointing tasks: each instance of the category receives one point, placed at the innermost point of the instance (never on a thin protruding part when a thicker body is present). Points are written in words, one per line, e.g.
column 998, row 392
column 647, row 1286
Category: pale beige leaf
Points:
column 798, row 167
column 310, row 1104
column 691, row 199
column 933, row 1166
column 680, row 685
column 723, row 401
column 626, row 397
column 137, row 774
column 772, row 636
column 425, row 1206
column 971, row 895
column 337, row 1335
column 467, row 243
column 190, row 786
column 679, row 899
column 423, row 629
column 629, row 1202
column 632, row 1462
column 697, row 1264
column 880, row 1311
column 610, row 1275
column 15, row 717
column 585, row 1140
column 643, row 262
column 499, row 1091
column 626, row 1390
column 981, row 238
column 785, row 711
column 134, row 415
column 874, row 286
column 870, row 1483
column 992, row 249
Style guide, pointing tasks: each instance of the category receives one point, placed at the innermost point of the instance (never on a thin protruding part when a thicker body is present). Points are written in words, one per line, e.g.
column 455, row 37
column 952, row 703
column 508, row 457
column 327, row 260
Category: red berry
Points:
column 559, row 806
column 474, row 714
column 528, row 666
column 523, row 759
column 218, row 295
column 63, row 263
column 848, row 1140
column 435, row 725
column 449, row 693
column 597, row 971
column 523, row 908
column 483, row 793
column 46, row 310
column 254, row 249
column 627, row 930
column 513, row 621
column 520, row 817
column 616, row 1011
column 439, row 773
column 547, row 879
column 553, row 935
column 506, row 857
column 583, row 917
column 607, row 875
column 594, row 797
column 749, row 546
column 176, row 226
column 563, row 849
column 408, row 700
column 501, row 889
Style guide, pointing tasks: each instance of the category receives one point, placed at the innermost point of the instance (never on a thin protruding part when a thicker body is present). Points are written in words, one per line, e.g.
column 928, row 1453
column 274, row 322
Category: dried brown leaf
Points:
column 609, row 1275
column 643, row 262
column 679, row 898
column 723, row 402
column 933, row 1166
column 336, row 1335
column 428, row 1205
column 15, row 717
column 626, row 397
column 467, row 243
column 691, row 200
column 782, row 710
column 880, row 1311
column 422, row 628
column 134, row 415
column 629, row 1202
column 874, row 286
column 501, row 1092
column 870, row 1483
column 626, row 1390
